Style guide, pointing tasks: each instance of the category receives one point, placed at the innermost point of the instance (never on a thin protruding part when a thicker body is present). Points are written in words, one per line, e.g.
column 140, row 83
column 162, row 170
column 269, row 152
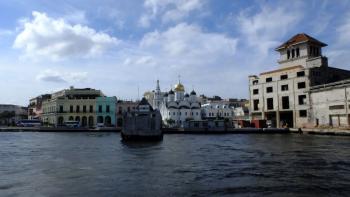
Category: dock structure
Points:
column 142, row 124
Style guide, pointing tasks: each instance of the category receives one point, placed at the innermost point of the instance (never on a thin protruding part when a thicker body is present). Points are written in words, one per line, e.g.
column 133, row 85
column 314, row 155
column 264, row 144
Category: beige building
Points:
column 282, row 96
column 71, row 104
column 35, row 106
column 123, row 107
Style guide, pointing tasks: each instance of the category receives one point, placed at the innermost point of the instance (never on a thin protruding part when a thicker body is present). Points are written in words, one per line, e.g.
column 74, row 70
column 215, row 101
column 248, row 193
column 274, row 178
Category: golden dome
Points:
column 179, row 88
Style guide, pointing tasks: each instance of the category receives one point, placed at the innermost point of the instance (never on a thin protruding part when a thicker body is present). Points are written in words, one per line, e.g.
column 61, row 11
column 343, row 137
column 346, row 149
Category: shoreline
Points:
column 316, row 131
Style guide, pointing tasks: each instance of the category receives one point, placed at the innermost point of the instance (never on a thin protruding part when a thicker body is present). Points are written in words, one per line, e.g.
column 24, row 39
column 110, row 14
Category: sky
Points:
column 123, row 47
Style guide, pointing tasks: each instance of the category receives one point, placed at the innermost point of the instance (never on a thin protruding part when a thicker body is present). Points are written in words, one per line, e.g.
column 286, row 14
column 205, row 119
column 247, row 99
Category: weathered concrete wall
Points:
column 330, row 106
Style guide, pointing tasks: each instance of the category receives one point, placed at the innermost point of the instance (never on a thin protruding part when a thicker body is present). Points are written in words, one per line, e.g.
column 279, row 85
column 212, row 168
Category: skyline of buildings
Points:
column 283, row 97
column 213, row 45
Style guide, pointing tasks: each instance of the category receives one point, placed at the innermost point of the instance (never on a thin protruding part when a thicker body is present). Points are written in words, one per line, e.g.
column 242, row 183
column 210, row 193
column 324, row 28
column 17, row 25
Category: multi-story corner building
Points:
column 282, row 96
column 72, row 104
column 35, row 106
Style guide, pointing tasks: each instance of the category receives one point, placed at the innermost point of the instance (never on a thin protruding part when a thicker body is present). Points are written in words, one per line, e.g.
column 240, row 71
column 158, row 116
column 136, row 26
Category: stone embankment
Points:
column 322, row 131
column 52, row 129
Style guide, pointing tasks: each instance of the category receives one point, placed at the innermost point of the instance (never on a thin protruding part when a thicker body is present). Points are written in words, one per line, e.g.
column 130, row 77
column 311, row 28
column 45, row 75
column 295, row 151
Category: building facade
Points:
column 282, row 96
column 72, row 104
column 106, row 110
column 177, row 109
column 35, row 106
column 176, row 106
column 216, row 110
column 10, row 114
column 330, row 104
column 122, row 107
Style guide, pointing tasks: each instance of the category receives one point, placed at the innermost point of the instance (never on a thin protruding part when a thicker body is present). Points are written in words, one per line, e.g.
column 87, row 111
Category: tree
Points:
column 169, row 121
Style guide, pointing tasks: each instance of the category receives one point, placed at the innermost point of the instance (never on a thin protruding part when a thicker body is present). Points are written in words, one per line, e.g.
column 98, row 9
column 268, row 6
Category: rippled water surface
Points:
column 99, row 164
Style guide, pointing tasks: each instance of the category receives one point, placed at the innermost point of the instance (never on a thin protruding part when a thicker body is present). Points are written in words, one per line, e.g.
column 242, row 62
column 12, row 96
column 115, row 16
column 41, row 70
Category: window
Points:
column 256, row 91
column 311, row 50
column 84, row 108
column 256, row 104
column 301, row 74
column 61, row 109
column 285, row 102
column 255, row 82
column 127, row 109
column 284, row 87
column 71, row 109
column 284, row 77
column 298, row 52
column 77, row 109
column 185, row 113
column 334, row 107
column 92, row 109
column 302, row 113
column 269, row 102
column 107, row 108
column 174, row 113
column 293, row 53
column 269, row 79
column 302, row 99
column 301, row 85
column 100, row 108
column 288, row 54
column 269, row 89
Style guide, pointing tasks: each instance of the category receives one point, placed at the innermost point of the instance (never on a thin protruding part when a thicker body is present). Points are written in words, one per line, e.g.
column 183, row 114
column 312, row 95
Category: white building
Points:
column 282, row 96
column 217, row 110
column 176, row 106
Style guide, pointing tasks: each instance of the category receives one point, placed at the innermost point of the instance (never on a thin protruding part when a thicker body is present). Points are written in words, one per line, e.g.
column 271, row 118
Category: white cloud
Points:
column 56, row 39
column 202, row 58
column 168, row 10
column 188, row 42
column 265, row 29
column 344, row 31
column 61, row 77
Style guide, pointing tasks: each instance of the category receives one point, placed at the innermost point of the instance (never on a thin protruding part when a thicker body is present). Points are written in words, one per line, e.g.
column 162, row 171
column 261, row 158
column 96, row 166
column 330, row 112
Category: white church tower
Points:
column 157, row 97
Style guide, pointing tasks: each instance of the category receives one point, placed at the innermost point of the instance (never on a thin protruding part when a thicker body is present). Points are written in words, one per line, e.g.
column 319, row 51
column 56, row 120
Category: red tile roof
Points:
column 300, row 38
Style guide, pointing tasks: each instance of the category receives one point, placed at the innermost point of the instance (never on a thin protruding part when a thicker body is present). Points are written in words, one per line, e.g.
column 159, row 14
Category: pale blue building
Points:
column 106, row 110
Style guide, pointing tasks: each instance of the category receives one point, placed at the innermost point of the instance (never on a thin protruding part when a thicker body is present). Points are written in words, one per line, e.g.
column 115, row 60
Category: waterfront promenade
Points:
column 315, row 131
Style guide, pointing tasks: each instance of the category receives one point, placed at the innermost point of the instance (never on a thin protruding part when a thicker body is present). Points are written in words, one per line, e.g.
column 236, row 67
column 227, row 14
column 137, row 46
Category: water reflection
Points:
column 100, row 164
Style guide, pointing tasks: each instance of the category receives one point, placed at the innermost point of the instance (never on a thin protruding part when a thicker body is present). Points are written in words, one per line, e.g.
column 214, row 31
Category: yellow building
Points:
column 71, row 104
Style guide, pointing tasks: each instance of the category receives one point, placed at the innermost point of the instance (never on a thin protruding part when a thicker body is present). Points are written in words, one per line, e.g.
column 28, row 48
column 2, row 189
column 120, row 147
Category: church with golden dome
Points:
column 175, row 106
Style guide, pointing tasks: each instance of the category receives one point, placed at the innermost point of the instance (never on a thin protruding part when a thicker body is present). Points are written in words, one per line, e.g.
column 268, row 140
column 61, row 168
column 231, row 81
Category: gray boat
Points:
column 142, row 124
